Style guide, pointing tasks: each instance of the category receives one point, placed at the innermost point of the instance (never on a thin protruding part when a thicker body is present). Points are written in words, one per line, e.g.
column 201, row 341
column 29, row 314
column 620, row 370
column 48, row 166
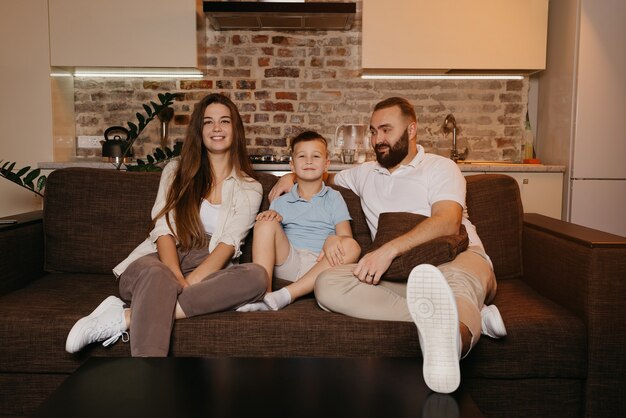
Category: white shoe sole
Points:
column 433, row 309
column 72, row 344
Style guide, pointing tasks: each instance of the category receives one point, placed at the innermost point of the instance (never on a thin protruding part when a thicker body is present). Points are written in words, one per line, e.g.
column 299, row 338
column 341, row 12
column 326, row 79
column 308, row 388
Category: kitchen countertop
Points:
column 469, row 166
column 496, row 166
column 98, row 163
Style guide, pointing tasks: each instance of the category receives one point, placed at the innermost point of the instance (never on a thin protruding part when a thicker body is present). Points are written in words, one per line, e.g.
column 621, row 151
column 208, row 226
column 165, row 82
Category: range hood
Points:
column 229, row 15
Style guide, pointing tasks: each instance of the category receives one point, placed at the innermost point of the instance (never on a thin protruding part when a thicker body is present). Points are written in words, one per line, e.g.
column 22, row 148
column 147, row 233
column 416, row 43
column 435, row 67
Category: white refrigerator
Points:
column 582, row 109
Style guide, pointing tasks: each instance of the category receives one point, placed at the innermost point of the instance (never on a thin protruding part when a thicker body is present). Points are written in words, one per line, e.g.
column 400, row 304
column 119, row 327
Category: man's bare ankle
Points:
column 466, row 339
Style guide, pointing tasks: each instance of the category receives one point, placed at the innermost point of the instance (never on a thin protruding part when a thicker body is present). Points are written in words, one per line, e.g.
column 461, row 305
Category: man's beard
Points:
column 395, row 154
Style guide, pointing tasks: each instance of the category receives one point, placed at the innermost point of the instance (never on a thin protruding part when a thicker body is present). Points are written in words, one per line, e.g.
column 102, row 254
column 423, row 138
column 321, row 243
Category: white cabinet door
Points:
column 590, row 207
column 452, row 34
column 600, row 142
column 123, row 33
column 541, row 192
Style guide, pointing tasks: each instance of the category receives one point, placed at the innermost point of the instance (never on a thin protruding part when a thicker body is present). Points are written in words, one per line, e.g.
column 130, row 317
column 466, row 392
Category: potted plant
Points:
column 34, row 181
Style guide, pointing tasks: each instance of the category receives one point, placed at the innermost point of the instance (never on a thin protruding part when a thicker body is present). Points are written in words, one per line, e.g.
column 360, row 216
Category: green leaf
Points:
column 41, row 183
column 132, row 127
column 140, row 118
column 160, row 154
column 150, row 159
column 32, row 175
column 169, row 152
column 140, row 162
column 10, row 167
column 15, row 179
column 22, row 171
column 161, row 97
column 29, row 184
column 155, row 106
column 147, row 109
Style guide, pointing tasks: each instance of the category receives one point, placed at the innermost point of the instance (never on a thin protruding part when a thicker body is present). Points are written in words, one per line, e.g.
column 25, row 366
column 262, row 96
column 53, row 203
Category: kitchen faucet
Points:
column 454, row 153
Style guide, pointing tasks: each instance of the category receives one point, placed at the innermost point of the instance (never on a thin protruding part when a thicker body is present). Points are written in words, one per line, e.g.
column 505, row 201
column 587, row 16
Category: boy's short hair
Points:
column 308, row 136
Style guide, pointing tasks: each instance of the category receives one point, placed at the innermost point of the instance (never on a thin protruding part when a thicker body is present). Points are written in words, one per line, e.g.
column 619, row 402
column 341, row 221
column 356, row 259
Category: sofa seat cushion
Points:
column 544, row 340
column 35, row 321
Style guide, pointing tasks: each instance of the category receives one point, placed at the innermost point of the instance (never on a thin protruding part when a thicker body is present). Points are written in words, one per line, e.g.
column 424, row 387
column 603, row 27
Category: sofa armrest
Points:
column 21, row 251
column 584, row 270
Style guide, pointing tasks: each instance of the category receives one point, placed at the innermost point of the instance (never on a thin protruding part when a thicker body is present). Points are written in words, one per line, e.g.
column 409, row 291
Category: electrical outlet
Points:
column 89, row 142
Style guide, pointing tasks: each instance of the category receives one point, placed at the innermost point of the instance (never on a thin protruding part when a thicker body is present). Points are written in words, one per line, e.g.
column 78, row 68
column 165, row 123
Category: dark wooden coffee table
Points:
column 252, row 387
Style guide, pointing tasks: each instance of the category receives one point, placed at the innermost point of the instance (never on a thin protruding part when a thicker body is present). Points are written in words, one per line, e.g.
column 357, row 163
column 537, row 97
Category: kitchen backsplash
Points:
column 286, row 82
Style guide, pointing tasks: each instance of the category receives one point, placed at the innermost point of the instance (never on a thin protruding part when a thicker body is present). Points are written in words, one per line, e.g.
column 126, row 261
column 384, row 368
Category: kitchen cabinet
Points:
column 123, row 33
column 541, row 192
column 454, row 36
column 26, row 108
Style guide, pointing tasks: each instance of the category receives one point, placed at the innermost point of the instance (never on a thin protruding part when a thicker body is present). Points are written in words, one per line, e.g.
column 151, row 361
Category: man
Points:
column 445, row 302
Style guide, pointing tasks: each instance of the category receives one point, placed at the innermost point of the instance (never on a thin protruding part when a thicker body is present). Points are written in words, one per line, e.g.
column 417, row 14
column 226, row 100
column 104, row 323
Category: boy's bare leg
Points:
column 270, row 246
column 304, row 285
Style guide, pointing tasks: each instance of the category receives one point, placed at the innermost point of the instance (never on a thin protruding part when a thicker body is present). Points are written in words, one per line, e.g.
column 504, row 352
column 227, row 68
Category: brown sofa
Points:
column 561, row 290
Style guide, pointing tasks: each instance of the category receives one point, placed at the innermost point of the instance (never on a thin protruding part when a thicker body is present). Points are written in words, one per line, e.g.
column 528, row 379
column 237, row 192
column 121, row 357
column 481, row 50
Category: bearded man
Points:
column 445, row 302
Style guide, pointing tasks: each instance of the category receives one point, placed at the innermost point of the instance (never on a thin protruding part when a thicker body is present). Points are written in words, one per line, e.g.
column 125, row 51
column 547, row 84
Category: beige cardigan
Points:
column 241, row 199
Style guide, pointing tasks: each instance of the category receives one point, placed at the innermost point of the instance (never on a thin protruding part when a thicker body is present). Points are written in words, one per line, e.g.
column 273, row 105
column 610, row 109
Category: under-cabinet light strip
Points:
column 439, row 77
column 130, row 73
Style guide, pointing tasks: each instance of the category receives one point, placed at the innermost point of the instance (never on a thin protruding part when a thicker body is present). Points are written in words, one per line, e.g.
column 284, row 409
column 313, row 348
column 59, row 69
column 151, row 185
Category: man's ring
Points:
column 371, row 275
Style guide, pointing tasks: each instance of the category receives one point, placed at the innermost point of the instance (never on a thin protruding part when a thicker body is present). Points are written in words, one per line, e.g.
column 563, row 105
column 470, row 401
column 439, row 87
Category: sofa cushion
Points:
column 94, row 218
column 540, row 335
column 360, row 230
column 543, row 338
column 436, row 251
column 494, row 206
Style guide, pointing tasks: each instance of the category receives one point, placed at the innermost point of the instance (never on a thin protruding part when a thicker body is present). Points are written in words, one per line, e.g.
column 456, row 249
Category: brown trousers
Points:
column 152, row 291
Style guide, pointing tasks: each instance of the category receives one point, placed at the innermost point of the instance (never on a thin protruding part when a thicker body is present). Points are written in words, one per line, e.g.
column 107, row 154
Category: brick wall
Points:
column 286, row 82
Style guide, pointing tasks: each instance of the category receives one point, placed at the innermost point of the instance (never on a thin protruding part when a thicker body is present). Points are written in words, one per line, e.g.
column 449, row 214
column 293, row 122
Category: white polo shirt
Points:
column 413, row 188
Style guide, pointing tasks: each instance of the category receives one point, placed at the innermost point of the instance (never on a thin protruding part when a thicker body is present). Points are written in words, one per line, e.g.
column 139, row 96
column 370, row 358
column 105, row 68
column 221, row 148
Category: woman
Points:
column 205, row 206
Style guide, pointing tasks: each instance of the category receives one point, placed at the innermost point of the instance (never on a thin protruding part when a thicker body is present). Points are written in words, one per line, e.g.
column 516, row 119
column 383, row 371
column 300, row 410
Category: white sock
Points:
column 278, row 299
column 253, row 307
column 127, row 324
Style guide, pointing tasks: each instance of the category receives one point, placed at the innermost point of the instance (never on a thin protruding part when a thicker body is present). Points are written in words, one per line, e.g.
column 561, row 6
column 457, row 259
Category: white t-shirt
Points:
column 208, row 216
column 413, row 188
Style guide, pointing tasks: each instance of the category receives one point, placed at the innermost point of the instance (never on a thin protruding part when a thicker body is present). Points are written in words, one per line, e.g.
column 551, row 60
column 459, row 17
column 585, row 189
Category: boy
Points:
column 305, row 231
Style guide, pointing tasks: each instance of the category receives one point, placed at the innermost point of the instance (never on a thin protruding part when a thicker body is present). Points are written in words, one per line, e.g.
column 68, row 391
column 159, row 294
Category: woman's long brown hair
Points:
column 194, row 177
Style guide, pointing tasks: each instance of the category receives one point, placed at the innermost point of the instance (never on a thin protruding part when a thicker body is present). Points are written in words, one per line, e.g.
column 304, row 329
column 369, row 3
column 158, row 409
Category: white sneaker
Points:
column 106, row 323
column 433, row 309
column 492, row 324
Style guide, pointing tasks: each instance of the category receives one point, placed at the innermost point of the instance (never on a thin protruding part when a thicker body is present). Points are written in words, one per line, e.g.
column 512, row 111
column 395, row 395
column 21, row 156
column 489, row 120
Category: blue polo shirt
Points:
column 307, row 223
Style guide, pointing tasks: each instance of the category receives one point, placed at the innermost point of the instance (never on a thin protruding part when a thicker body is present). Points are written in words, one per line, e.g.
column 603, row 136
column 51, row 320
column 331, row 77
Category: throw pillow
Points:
column 436, row 251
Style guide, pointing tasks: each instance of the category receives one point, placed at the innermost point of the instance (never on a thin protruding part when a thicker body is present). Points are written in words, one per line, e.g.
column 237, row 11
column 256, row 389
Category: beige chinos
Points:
column 469, row 275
